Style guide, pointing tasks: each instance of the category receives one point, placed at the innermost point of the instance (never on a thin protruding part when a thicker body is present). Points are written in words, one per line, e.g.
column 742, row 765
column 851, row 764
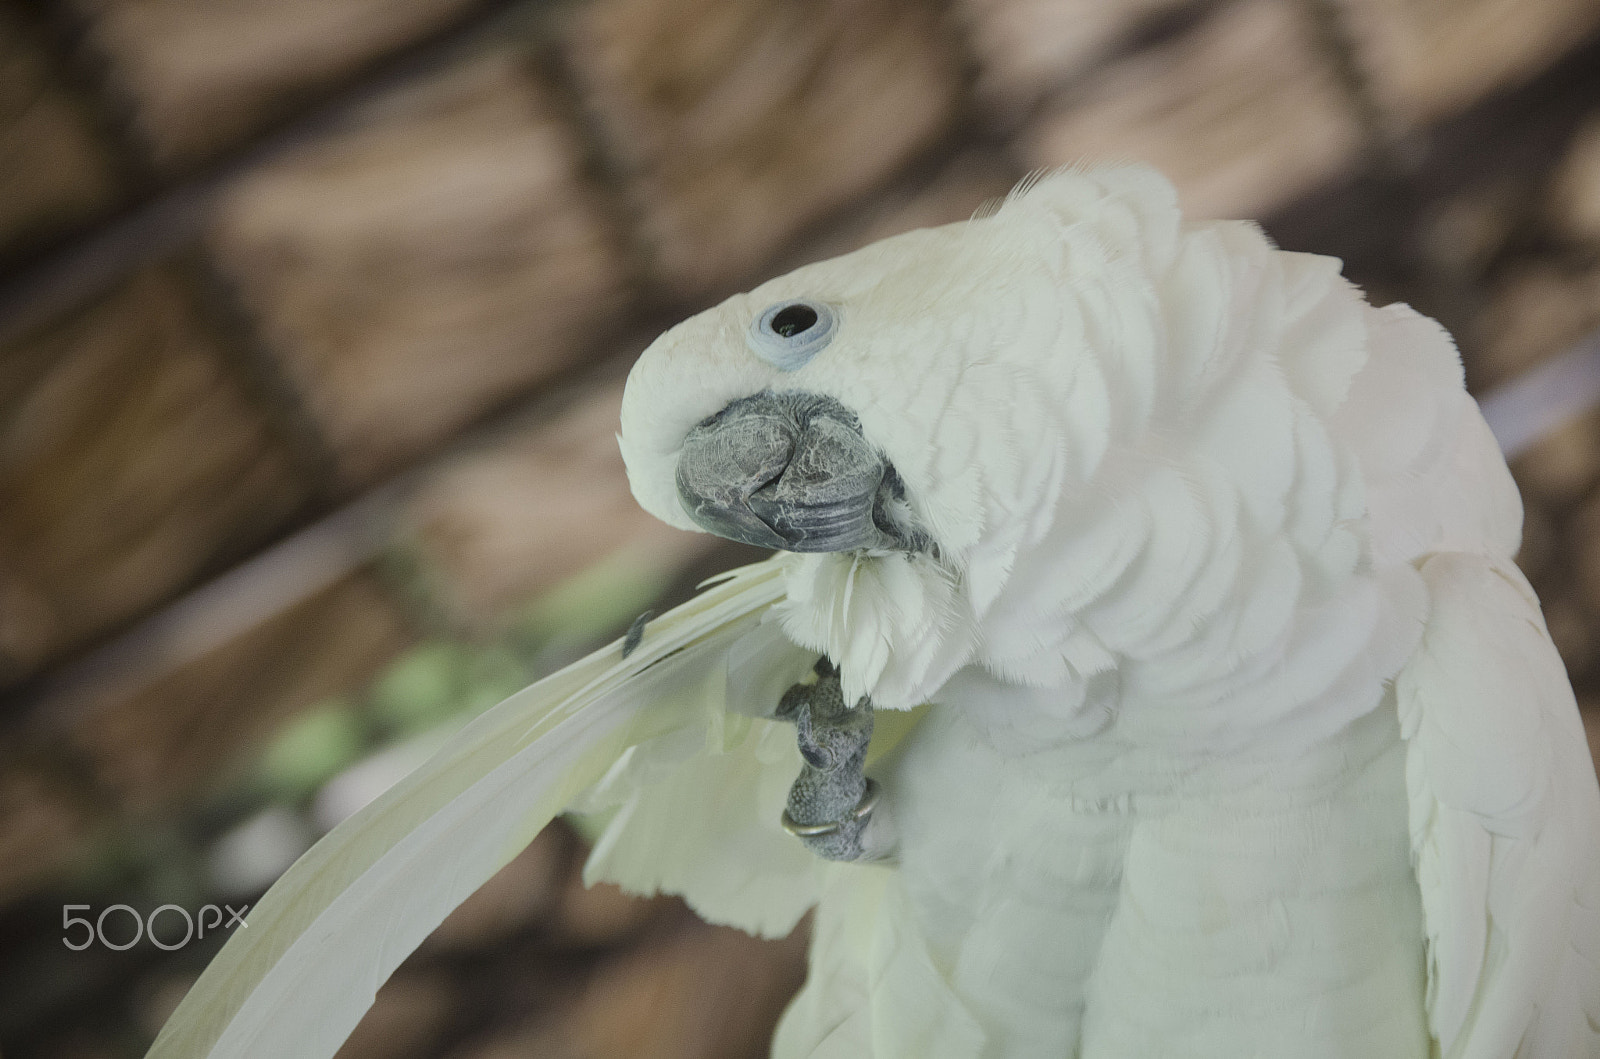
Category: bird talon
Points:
column 831, row 800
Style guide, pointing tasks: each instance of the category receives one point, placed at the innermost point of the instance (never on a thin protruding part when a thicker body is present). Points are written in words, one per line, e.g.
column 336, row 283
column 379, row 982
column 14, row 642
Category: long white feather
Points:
column 297, row 979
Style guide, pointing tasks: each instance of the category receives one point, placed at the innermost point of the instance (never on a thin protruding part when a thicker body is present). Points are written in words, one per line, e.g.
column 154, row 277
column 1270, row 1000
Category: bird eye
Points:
column 790, row 333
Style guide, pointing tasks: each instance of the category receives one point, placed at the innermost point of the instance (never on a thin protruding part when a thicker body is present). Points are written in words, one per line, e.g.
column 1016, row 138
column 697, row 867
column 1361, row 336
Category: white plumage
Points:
column 1245, row 738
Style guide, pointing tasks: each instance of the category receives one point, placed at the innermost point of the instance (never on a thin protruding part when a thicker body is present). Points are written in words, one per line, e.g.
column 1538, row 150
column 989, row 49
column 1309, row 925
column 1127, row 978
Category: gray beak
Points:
column 791, row 471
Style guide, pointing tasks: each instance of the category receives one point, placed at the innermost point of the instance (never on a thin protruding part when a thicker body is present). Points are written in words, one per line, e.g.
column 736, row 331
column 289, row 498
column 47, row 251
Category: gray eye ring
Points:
column 790, row 333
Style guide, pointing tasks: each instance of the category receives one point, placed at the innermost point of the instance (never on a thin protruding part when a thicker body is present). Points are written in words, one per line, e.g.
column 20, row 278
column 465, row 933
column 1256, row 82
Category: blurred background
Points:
column 314, row 316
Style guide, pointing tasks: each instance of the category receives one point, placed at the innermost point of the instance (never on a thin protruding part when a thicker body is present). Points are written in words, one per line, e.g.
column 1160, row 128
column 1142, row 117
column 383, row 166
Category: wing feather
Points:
column 1505, row 822
column 297, row 979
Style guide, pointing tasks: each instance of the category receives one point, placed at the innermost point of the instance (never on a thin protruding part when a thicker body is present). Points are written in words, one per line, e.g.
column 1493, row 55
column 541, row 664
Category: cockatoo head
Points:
column 835, row 409
column 912, row 420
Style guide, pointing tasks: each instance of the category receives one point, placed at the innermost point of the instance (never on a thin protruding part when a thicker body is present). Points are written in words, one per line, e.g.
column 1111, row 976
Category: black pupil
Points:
column 793, row 320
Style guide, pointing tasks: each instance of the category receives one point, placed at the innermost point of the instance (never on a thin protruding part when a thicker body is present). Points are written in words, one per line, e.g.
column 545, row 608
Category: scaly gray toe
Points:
column 831, row 801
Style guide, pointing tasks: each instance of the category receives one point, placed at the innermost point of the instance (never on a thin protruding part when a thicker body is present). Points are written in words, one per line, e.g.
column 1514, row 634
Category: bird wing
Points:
column 1504, row 820
column 298, row 977
column 696, row 811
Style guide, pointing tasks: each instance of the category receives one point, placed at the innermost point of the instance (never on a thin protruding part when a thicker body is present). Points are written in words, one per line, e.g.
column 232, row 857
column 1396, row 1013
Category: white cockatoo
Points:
column 1212, row 715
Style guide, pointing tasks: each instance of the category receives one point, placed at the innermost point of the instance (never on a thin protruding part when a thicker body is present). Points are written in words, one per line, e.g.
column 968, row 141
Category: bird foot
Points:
column 832, row 801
